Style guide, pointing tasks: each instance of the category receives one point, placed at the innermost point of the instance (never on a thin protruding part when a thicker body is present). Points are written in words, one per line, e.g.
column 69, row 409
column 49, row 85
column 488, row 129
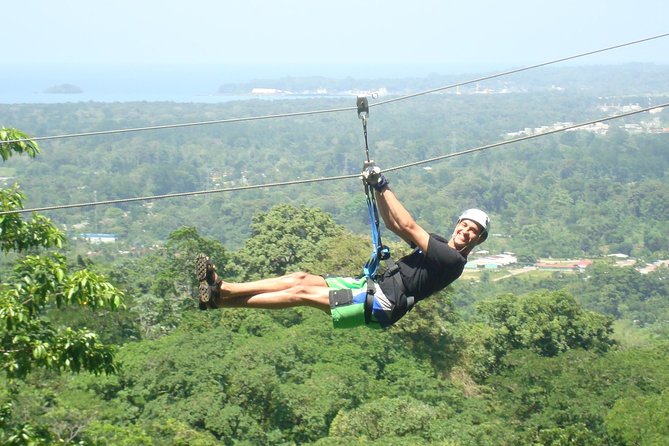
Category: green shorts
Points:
column 346, row 283
column 347, row 302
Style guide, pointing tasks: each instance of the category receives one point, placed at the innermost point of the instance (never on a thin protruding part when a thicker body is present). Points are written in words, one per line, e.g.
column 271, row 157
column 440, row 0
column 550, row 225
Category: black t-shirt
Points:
column 424, row 274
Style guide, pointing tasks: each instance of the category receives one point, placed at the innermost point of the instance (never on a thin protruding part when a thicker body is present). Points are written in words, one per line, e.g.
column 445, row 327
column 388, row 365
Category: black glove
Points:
column 371, row 174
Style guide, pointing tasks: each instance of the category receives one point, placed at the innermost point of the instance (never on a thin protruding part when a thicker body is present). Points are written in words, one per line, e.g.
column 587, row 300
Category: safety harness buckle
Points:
column 369, row 300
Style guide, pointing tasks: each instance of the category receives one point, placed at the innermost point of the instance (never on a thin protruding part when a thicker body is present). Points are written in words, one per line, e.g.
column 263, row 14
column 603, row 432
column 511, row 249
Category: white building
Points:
column 97, row 238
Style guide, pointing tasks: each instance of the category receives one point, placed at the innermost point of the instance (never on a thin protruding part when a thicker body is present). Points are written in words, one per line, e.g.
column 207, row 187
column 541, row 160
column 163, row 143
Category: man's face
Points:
column 465, row 234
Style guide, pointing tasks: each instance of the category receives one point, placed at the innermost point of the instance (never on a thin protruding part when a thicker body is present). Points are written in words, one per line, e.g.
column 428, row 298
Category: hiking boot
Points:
column 209, row 282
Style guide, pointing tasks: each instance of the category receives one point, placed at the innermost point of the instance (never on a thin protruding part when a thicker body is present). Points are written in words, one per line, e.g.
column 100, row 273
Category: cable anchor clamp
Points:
column 363, row 107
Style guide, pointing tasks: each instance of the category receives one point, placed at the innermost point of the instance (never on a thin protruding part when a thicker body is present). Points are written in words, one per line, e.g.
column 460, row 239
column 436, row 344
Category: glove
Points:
column 371, row 174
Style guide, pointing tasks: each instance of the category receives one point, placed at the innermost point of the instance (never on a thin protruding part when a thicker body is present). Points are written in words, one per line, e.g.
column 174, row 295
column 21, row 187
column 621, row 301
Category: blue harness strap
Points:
column 379, row 251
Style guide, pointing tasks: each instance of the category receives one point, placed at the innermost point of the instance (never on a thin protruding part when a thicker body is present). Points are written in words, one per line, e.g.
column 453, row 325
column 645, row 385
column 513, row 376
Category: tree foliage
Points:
column 28, row 340
column 546, row 373
column 578, row 396
column 640, row 420
column 565, row 195
column 523, row 361
column 285, row 238
column 545, row 323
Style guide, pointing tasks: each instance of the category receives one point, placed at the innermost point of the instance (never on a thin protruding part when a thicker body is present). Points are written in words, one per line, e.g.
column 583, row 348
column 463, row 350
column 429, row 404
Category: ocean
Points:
column 113, row 83
column 26, row 84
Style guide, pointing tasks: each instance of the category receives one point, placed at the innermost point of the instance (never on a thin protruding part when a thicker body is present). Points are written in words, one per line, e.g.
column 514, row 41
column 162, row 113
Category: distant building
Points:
column 491, row 261
column 654, row 266
column 99, row 238
column 263, row 91
column 569, row 265
column 618, row 255
column 622, row 259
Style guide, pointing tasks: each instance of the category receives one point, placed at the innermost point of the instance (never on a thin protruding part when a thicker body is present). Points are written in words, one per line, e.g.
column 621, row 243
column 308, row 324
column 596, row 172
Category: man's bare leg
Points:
column 311, row 296
column 229, row 290
column 296, row 289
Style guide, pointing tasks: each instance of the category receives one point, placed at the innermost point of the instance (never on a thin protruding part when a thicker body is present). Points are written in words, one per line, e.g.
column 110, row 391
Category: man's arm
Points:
column 398, row 220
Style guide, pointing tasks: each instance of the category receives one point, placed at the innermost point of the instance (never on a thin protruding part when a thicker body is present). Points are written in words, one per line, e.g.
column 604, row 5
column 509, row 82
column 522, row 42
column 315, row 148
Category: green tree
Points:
column 39, row 282
column 285, row 238
column 431, row 328
column 547, row 323
column 584, row 398
column 379, row 418
column 640, row 420
column 624, row 292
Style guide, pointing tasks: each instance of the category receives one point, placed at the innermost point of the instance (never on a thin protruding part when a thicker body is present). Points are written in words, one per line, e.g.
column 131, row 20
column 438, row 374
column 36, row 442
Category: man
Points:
column 433, row 265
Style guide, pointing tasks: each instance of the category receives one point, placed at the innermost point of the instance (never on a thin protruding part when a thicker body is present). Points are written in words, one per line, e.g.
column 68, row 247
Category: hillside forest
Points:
column 103, row 344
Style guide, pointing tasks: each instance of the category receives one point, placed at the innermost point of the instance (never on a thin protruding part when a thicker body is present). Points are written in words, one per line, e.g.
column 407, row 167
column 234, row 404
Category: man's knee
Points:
column 308, row 279
column 307, row 293
column 299, row 275
column 298, row 291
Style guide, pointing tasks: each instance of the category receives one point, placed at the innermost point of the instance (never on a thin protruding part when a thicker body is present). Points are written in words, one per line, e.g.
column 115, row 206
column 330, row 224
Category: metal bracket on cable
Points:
column 363, row 107
column 363, row 113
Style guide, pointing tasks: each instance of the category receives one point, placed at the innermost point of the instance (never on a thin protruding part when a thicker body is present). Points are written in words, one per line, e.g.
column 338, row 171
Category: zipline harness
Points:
column 379, row 250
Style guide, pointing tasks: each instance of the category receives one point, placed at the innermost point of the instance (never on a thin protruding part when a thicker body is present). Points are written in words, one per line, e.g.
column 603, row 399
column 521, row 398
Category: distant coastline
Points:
column 63, row 89
column 205, row 83
column 221, row 83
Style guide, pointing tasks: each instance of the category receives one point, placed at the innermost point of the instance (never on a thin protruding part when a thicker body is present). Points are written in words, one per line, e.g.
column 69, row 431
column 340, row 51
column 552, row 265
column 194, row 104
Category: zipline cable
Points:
column 333, row 110
column 174, row 126
column 517, row 70
column 525, row 138
column 333, row 178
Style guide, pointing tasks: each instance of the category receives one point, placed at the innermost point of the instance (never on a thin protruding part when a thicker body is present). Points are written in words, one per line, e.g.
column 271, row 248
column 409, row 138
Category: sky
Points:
column 424, row 34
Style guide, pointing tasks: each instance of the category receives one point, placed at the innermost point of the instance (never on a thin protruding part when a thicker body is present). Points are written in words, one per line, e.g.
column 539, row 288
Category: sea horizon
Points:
column 198, row 83
column 26, row 84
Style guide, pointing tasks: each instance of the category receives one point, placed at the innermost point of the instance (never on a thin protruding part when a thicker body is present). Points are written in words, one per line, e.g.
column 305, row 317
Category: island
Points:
column 63, row 89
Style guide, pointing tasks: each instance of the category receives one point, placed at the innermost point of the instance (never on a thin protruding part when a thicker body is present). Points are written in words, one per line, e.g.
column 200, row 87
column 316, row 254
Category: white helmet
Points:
column 480, row 218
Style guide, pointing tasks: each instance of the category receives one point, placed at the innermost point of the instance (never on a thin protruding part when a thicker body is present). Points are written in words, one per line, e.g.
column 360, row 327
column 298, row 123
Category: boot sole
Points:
column 201, row 267
column 201, row 262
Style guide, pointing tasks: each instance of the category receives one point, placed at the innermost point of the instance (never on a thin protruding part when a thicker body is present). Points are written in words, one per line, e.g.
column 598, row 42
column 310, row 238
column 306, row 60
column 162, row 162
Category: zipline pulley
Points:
column 363, row 113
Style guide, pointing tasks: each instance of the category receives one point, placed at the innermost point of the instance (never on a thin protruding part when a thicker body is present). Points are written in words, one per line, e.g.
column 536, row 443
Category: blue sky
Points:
column 426, row 33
